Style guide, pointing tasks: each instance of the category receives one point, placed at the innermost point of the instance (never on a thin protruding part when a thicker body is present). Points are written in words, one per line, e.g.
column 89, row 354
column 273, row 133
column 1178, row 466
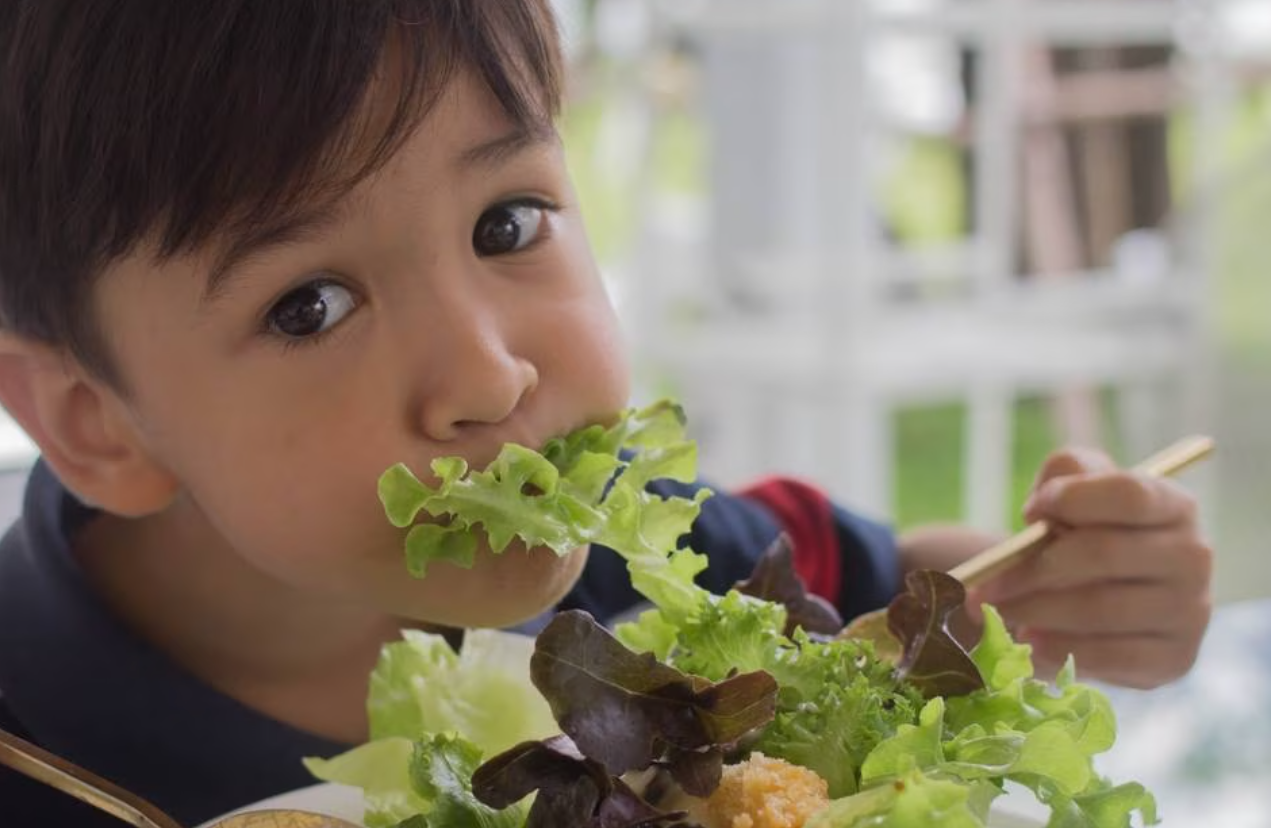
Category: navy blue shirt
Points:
column 78, row 682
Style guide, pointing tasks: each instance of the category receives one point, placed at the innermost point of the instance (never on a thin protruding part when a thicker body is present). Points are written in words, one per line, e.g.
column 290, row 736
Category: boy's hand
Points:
column 1124, row 585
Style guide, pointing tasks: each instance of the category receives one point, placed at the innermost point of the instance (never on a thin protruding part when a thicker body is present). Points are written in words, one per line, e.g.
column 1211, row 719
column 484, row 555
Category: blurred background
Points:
column 907, row 247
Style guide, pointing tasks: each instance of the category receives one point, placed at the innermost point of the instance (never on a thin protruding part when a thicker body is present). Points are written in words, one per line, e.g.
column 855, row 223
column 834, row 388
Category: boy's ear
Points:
column 83, row 429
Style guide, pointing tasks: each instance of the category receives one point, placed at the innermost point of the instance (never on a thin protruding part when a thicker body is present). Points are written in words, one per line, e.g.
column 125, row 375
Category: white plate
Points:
column 345, row 802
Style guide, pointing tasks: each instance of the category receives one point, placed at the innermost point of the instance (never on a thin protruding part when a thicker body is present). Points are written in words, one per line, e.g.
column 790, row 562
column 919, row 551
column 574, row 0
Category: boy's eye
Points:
column 310, row 309
column 507, row 228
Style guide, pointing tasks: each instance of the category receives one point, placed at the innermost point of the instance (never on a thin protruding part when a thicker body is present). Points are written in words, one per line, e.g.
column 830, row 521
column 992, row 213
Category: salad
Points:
column 753, row 709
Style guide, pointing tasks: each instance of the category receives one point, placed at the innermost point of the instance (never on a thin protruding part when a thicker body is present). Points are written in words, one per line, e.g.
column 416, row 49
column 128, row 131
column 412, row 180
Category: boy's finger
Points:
column 1070, row 461
column 1118, row 498
column 1084, row 557
column 1110, row 609
column 1138, row 661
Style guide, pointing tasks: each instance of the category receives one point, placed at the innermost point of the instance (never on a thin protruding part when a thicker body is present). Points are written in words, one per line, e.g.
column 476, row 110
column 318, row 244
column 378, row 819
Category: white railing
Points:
column 799, row 350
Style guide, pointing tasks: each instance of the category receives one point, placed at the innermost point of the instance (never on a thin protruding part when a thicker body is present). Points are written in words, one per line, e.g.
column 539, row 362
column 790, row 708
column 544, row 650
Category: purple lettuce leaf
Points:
column 932, row 660
column 573, row 790
column 775, row 579
column 627, row 710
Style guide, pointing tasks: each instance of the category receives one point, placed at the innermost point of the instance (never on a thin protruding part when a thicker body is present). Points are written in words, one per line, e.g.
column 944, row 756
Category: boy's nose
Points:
column 483, row 382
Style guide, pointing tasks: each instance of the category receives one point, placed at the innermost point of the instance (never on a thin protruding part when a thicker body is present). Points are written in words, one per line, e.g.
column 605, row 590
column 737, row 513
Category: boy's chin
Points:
column 499, row 590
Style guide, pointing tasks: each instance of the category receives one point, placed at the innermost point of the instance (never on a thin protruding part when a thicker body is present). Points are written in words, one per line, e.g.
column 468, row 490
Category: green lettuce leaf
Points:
column 1017, row 729
column 1103, row 805
column 911, row 801
column 837, row 703
column 731, row 633
column 381, row 768
column 585, row 487
column 839, row 707
column 441, row 769
column 422, row 687
column 649, row 633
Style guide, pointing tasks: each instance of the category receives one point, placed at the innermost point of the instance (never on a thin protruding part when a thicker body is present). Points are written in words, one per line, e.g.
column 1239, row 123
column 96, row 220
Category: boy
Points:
column 254, row 253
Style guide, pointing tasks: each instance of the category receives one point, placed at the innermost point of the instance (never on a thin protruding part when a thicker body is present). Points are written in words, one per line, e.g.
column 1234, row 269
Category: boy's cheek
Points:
column 363, row 563
column 498, row 591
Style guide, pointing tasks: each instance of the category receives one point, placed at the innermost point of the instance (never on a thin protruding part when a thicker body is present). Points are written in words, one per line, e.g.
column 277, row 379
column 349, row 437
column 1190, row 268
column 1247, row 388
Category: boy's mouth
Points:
column 574, row 490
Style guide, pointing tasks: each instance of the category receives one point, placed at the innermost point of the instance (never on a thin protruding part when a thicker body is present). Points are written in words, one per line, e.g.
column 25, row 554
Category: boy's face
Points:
column 449, row 305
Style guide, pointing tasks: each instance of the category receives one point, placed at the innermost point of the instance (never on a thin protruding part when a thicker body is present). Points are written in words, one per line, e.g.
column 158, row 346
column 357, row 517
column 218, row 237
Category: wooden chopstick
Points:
column 997, row 558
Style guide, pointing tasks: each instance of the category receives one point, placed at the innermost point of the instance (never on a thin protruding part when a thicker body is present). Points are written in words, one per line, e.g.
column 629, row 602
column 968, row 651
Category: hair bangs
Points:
column 310, row 130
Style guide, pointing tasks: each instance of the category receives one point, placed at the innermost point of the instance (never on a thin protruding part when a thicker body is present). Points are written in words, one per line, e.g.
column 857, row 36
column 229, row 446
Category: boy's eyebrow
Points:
column 287, row 230
column 498, row 150
column 299, row 227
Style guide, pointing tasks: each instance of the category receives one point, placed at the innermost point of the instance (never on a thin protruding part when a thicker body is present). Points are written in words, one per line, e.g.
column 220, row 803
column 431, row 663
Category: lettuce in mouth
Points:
column 643, row 723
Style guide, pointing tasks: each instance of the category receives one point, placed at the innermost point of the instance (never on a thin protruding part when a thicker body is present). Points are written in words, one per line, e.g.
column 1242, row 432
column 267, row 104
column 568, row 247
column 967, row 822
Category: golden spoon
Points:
column 70, row 778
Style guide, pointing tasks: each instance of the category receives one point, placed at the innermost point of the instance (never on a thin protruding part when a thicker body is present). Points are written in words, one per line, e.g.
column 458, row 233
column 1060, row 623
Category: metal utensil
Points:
column 71, row 779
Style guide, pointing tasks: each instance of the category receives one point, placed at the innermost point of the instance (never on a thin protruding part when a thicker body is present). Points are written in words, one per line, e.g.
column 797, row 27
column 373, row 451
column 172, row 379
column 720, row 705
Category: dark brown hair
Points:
column 130, row 121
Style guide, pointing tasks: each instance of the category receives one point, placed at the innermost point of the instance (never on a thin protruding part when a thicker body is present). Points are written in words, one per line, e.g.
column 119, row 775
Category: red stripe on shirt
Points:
column 807, row 516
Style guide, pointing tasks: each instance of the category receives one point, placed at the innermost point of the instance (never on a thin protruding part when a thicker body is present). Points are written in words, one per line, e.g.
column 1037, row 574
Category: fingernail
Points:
column 1038, row 502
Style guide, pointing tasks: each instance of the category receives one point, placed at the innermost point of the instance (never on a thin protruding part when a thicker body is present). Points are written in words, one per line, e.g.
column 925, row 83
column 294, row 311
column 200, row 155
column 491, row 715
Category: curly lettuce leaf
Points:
column 734, row 632
column 913, row 800
column 649, row 633
column 441, row 769
column 837, row 703
column 975, row 753
column 1017, row 729
column 585, row 487
column 856, row 718
column 837, row 699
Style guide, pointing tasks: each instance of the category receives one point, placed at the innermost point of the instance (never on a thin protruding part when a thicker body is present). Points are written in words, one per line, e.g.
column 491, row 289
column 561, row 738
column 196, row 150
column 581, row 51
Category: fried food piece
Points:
column 763, row 792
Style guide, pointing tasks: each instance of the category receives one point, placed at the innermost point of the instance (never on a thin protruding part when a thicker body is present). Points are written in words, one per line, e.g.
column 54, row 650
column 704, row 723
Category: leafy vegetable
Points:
column 441, row 770
column 1013, row 729
column 907, row 728
column 837, row 700
column 563, row 498
column 837, row 704
column 913, row 800
column 933, row 660
column 382, row 770
column 575, row 790
column 421, row 688
column 626, row 711
column 775, row 580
